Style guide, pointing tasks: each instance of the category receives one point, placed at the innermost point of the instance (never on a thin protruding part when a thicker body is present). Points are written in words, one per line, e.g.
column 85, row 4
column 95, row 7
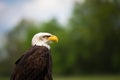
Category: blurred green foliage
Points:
column 89, row 44
column 107, row 77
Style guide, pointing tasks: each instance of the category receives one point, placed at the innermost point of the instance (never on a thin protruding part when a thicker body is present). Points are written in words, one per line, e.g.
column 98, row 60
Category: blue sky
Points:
column 13, row 11
column 13, row 1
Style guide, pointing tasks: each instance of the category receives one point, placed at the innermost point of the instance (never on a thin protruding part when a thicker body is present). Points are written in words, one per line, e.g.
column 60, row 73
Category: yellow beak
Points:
column 53, row 38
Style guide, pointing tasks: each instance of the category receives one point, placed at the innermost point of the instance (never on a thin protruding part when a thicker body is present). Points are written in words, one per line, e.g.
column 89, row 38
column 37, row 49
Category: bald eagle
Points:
column 36, row 63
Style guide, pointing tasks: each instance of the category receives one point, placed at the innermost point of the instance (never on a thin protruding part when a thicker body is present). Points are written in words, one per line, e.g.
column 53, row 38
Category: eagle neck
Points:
column 45, row 45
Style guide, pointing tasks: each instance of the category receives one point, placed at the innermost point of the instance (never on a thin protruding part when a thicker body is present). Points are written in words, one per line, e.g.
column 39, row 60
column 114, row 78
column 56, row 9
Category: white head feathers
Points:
column 40, row 40
column 43, row 39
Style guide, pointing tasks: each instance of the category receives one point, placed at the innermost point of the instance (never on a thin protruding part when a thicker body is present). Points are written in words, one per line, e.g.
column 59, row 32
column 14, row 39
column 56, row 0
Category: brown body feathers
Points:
column 35, row 64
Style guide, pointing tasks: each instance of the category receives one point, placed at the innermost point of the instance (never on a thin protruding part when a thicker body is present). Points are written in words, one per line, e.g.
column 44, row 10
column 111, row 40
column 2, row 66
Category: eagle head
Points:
column 43, row 39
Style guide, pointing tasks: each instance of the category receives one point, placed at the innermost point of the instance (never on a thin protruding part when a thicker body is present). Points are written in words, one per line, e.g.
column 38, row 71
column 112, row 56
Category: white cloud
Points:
column 46, row 9
column 39, row 10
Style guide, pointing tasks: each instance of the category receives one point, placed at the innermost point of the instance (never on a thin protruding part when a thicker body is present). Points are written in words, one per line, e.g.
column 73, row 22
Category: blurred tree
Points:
column 96, row 34
column 15, row 45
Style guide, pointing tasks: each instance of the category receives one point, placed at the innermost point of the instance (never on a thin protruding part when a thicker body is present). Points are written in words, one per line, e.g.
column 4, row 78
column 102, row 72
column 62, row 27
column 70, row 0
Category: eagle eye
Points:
column 46, row 36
